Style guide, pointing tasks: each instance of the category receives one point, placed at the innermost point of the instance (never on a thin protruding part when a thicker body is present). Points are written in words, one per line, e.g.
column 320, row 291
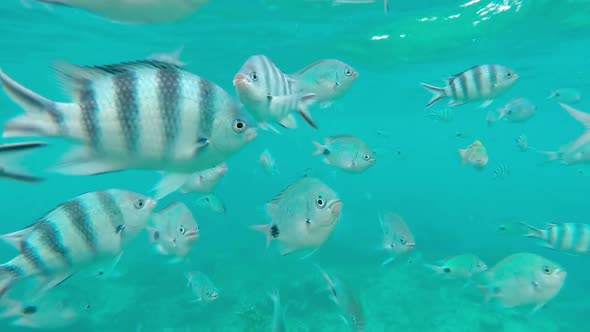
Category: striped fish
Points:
column 484, row 82
column 568, row 237
column 269, row 94
column 11, row 154
column 442, row 115
column 522, row 143
column 79, row 232
column 501, row 172
column 148, row 114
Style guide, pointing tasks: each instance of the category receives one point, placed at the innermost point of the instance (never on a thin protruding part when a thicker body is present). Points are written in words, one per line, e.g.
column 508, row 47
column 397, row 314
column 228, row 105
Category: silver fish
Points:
column 11, row 154
column 484, row 82
column 212, row 202
column 202, row 287
column 346, row 152
column 203, row 182
column 351, row 308
column 566, row 95
column 517, row 110
column 77, row 233
column 175, row 230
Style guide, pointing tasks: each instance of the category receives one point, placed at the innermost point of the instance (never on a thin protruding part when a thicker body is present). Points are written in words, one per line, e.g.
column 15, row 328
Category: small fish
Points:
column 517, row 110
column 175, row 230
column 202, row 287
column 572, row 238
column 328, row 79
column 397, row 236
column 77, row 233
column 484, row 82
column 501, row 172
column 278, row 318
column 351, row 308
column 512, row 227
column 522, row 143
column 442, row 115
column 460, row 267
column 566, row 95
column 268, row 163
column 136, row 11
column 203, row 182
column 346, row 152
column 302, row 216
column 475, row 154
column 569, row 156
column 145, row 114
column 523, row 279
column 270, row 95
column 10, row 156
column 211, row 202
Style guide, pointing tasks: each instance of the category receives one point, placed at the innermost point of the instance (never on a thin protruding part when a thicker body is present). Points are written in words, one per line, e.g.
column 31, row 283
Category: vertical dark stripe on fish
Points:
column 81, row 222
column 51, row 239
column 463, row 85
column 266, row 72
column 13, row 272
column 111, row 208
column 89, row 110
column 453, row 84
column 206, row 108
column 493, row 77
column 168, row 81
column 478, row 79
column 128, row 108
column 32, row 257
column 583, row 233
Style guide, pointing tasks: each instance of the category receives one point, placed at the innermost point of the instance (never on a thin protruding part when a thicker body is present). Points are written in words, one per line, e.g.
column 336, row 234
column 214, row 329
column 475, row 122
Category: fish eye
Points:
column 239, row 126
column 254, row 76
column 320, row 202
column 402, row 240
column 546, row 269
column 139, row 204
column 366, row 157
column 509, row 74
column 182, row 230
column 348, row 72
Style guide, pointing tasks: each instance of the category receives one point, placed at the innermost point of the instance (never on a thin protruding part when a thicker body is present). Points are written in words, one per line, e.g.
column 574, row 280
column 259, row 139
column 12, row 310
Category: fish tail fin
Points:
column 532, row 231
column 12, row 307
column 551, row 155
column 320, row 149
column 435, row 268
column 438, row 93
column 42, row 116
column 10, row 159
column 463, row 154
column 264, row 229
column 9, row 274
column 302, row 107
column 189, row 278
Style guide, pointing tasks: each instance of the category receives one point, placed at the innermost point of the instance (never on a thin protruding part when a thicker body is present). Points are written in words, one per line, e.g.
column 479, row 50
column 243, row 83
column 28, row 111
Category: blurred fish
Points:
column 346, row 152
column 572, row 238
column 475, row 154
column 351, row 308
column 202, row 287
column 460, row 267
column 569, row 156
column 136, row 11
column 501, row 172
column 328, row 79
column 145, row 114
column 517, row 110
column 397, row 236
column 77, row 233
column 203, row 182
column 566, row 95
column 175, row 230
column 268, row 163
column 522, row 143
column 523, row 279
column 442, row 115
column 212, row 202
column 303, row 216
column 278, row 318
column 582, row 118
column 10, row 157
column 270, row 96
column 512, row 227
column 484, row 82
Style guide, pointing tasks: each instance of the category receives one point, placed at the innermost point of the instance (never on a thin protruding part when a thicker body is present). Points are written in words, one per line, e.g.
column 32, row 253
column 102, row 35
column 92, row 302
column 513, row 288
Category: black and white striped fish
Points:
column 484, row 82
column 270, row 96
column 11, row 154
column 522, row 143
column 568, row 237
column 148, row 114
column 501, row 172
column 79, row 232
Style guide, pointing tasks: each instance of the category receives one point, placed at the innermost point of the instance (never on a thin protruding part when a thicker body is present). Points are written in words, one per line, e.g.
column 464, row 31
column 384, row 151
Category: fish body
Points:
column 349, row 304
column 501, row 172
column 484, row 82
column 278, row 318
column 303, row 215
column 77, row 233
column 202, row 287
column 460, row 267
column 203, row 182
column 442, row 115
column 568, row 237
column 346, row 152
column 269, row 94
column 476, row 154
column 175, row 230
column 146, row 114
column 329, row 79
column 517, row 110
column 522, row 143
column 569, row 156
column 136, row 11
column 566, row 95
column 212, row 202
column 10, row 157
column 397, row 236
column 268, row 163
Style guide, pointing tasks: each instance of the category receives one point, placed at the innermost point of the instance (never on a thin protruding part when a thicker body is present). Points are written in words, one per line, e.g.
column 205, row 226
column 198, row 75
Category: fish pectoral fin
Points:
column 46, row 283
column 289, row 122
column 268, row 126
column 536, row 308
column 486, row 104
column 389, row 260
column 309, row 254
column 169, row 184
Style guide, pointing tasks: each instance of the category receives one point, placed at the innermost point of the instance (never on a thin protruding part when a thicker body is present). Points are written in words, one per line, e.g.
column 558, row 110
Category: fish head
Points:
column 505, row 77
column 211, row 294
column 250, row 81
column 232, row 129
column 368, row 157
column 480, row 266
column 324, row 211
column 550, row 276
column 186, row 230
column 136, row 209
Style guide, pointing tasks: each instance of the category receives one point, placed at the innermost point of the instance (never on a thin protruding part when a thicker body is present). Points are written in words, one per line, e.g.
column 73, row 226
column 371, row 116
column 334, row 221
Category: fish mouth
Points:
column 336, row 208
column 355, row 75
column 222, row 169
column 251, row 134
column 240, row 80
column 151, row 203
column 410, row 244
column 193, row 235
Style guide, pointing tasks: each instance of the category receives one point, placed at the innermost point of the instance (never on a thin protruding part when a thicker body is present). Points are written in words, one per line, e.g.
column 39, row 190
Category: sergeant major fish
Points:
column 568, row 237
column 175, row 230
column 147, row 114
column 346, row 152
column 11, row 155
column 484, row 82
column 77, row 233
column 302, row 216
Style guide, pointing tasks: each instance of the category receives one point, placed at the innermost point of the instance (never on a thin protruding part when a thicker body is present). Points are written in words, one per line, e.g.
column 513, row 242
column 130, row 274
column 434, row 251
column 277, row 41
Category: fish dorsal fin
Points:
column 172, row 58
column 16, row 238
column 551, row 225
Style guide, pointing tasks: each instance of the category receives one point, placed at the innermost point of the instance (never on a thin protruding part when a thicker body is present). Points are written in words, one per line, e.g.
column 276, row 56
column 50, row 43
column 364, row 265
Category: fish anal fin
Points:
column 169, row 183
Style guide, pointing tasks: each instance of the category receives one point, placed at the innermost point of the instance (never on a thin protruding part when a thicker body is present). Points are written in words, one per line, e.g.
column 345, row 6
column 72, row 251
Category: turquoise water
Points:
column 451, row 209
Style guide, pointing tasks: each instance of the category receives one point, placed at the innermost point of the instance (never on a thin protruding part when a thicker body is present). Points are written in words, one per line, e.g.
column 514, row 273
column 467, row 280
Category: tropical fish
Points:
column 329, row 79
column 523, row 279
column 136, row 11
column 476, row 154
column 268, row 163
column 566, row 95
column 11, row 154
column 203, row 182
column 346, row 152
column 269, row 94
column 460, row 267
column 568, row 237
column 202, row 287
column 212, row 202
column 81, row 231
column 397, row 236
column 350, row 306
column 484, row 82
column 302, row 216
column 444, row 115
column 278, row 318
column 517, row 110
column 146, row 114
column 522, row 143
column 501, row 172
column 175, row 230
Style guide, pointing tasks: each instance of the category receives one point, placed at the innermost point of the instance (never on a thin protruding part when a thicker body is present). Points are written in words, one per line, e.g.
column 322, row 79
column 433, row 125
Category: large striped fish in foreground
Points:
column 573, row 238
column 88, row 228
column 270, row 95
column 10, row 157
column 148, row 114
column 484, row 82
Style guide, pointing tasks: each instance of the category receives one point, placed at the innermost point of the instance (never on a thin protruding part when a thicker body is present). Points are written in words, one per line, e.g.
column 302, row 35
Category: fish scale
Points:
column 127, row 109
column 75, row 212
column 168, row 81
